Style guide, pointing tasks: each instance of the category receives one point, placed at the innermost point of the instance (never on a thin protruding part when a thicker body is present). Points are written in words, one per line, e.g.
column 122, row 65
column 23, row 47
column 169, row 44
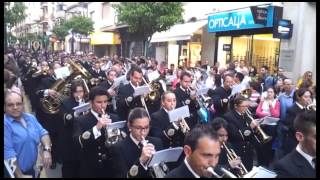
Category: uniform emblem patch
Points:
column 170, row 132
column 68, row 116
column 86, row 135
column 134, row 170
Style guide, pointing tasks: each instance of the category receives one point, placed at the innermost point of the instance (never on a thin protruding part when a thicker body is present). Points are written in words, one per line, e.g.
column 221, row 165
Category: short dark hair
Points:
column 163, row 96
column 225, row 76
column 300, row 92
column 265, row 67
column 137, row 113
column 198, row 132
column 255, row 85
column 239, row 99
column 240, row 76
column 97, row 91
column 184, row 73
column 305, row 121
column 218, row 123
column 135, row 68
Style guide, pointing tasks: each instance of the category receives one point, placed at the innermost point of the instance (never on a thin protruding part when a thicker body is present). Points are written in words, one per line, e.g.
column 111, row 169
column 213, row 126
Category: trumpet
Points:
column 184, row 126
column 112, row 135
column 259, row 134
column 231, row 156
column 312, row 107
column 226, row 173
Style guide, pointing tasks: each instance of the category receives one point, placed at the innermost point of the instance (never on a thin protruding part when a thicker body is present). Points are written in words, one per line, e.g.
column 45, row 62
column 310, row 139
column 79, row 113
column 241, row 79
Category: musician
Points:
column 107, row 84
column 186, row 97
column 49, row 121
column 220, row 126
column 169, row 133
column 240, row 131
column 125, row 99
column 70, row 152
column 130, row 156
column 89, row 135
column 97, row 74
column 202, row 150
column 220, row 96
column 301, row 161
column 303, row 98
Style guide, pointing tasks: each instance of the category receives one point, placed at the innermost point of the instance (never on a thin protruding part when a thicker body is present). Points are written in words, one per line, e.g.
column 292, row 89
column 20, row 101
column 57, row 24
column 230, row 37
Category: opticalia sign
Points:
column 239, row 19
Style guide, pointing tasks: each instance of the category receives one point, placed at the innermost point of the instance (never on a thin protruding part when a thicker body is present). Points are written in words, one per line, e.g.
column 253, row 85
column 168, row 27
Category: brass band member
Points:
column 131, row 155
column 202, row 150
column 234, row 165
column 301, row 161
column 185, row 96
column 220, row 96
column 240, row 131
column 89, row 135
column 161, row 127
column 125, row 99
column 107, row 84
column 49, row 121
column 70, row 153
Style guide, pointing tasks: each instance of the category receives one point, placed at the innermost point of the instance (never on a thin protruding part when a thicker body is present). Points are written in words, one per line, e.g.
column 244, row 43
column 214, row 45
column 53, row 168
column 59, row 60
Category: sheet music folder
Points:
column 82, row 108
column 178, row 113
column 260, row 172
column 119, row 124
column 166, row 155
column 141, row 90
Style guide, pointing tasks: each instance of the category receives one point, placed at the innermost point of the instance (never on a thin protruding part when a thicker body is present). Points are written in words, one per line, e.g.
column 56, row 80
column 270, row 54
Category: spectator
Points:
column 307, row 78
column 22, row 134
column 269, row 107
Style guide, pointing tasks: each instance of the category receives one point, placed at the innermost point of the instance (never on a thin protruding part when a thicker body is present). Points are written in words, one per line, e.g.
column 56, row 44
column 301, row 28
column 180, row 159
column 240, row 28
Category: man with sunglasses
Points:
column 130, row 156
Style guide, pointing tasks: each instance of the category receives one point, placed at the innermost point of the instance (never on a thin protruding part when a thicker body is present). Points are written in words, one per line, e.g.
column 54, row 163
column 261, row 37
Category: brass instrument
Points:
column 226, row 173
column 312, row 107
column 40, row 72
column 183, row 126
column 154, row 86
column 231, row 156
column 259, row 134
column 143, row 102
column 112, row 135
column 52, row 105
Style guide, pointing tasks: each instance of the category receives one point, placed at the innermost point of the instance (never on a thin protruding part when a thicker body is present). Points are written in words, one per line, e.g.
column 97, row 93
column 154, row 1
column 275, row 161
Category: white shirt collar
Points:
column 165, row 109
column 299, row 105
column 190, row 169
column 305, row 155
column 95, row 114
column 133, row 85
column 134, row 140
column 183, row 88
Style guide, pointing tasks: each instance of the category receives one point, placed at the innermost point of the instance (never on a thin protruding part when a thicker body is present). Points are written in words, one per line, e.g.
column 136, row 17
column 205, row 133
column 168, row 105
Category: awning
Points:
column 178, row 32
column 113, row 27
column 100, row 38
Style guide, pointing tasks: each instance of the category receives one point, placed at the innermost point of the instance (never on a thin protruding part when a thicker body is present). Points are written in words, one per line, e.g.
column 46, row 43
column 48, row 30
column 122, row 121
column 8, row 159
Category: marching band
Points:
column 82, row 142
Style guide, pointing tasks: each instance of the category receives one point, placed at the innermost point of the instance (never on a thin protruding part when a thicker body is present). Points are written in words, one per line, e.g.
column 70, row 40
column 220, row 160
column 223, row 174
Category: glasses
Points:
column 13, row 105
column 139, row 128
column 223, row 135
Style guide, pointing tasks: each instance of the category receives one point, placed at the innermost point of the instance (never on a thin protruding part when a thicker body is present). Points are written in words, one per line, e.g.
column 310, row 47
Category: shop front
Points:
column 247, row 34
column 105, row 43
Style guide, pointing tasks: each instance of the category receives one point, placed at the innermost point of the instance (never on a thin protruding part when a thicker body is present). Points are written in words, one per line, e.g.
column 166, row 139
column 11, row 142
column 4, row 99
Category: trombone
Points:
column 231, row 156
column 259, row 134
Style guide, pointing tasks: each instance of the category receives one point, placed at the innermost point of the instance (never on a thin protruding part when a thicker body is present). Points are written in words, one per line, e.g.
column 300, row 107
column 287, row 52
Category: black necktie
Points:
column 140, row 145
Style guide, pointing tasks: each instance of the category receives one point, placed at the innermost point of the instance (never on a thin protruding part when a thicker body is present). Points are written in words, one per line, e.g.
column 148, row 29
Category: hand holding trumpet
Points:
column 147, row 151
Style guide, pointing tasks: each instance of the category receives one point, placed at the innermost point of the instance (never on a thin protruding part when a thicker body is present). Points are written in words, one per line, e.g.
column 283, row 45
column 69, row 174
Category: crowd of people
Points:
column 262, row 117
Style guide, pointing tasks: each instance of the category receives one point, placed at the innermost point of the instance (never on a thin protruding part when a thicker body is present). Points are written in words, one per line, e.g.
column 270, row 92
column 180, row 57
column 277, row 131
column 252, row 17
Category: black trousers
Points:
column 265, row 152
column 70, row 169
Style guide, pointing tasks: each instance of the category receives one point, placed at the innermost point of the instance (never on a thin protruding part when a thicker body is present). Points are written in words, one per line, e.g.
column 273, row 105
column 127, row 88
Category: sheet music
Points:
column 166, row 155
column 202, row 90
column 82, row 108
column 153, row 76
column 118, row 80
column 62, row 72
column 181, row 112
column 270, row 120
column 119, row 124
column 141, row 90
column 8, row 168
column 260, row 172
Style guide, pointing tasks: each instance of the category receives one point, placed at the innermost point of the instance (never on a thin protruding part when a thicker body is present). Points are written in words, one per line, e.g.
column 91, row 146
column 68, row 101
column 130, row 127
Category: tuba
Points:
column 259, row 134
column 232, row 155
column 52, row 105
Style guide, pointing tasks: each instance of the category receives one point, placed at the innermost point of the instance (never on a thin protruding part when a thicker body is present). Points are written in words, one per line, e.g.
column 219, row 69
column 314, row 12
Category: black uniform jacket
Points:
column 125, row 155
column 294, row 165
column 95, row 157
column 124, row 106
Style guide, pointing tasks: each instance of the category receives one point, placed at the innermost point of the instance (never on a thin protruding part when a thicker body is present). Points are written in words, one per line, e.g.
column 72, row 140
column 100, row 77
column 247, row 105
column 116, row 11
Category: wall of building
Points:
column 303, row 41
column 208, row 46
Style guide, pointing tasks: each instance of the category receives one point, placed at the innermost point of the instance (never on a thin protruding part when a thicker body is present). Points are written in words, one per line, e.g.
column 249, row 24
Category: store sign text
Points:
column 227, row 22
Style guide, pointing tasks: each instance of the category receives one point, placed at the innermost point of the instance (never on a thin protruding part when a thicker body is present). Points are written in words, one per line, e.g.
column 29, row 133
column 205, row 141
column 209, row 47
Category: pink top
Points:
column 264, row 109
column 174, row 83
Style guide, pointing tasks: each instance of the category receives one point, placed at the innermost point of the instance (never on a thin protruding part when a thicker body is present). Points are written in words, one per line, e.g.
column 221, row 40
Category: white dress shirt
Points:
column 305, row 155
column 190, row 169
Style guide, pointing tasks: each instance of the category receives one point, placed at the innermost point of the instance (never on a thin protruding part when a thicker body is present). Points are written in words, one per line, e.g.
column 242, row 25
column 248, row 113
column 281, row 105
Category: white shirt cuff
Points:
column 96, row 132
column 46, row 92
column 175, row 126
